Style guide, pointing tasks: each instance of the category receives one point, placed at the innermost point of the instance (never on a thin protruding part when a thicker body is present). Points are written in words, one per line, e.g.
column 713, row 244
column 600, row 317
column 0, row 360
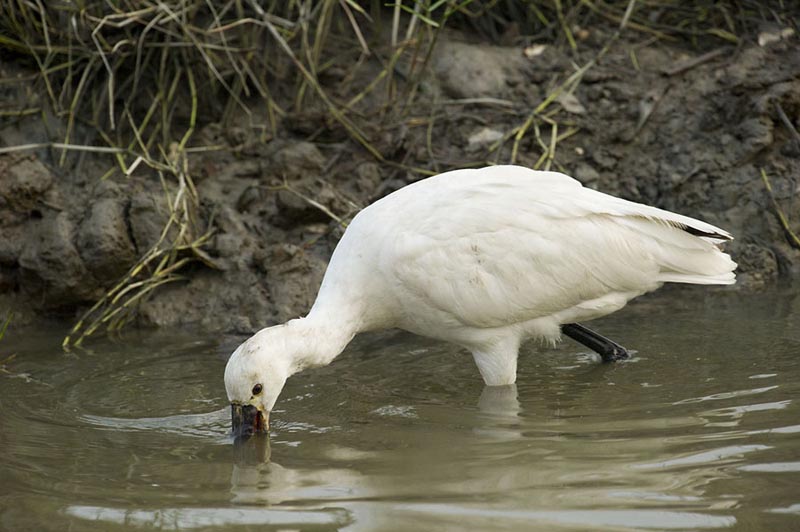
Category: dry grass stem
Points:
column 794, row 240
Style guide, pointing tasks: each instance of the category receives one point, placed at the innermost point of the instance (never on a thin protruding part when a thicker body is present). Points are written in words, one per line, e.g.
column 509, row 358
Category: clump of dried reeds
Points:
column 138, row 73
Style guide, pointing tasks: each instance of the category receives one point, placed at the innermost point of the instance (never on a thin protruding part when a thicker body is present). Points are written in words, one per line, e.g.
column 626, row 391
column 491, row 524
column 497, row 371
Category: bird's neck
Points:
column 322, row 336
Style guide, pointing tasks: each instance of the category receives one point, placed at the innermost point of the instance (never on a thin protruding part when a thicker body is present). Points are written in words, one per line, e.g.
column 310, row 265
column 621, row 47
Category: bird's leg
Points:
column 609, row 350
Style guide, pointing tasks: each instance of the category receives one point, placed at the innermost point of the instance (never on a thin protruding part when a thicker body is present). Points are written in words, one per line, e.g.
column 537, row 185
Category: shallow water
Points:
column 699, row 431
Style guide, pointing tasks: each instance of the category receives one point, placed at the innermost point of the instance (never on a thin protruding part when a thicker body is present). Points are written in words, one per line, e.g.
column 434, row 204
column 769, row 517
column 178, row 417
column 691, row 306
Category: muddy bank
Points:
column 653, row 121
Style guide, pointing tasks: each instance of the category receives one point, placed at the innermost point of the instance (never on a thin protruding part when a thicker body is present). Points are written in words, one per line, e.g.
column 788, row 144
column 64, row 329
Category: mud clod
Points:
column 51, row 270
column 104, row 243
column 25, row 182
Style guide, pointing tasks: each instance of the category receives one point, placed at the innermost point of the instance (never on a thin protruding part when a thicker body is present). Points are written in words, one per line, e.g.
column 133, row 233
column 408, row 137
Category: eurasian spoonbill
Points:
column 484, row 259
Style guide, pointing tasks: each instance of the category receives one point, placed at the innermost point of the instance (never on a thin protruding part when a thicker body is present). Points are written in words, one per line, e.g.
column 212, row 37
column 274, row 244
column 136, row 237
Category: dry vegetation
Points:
column 133, row 81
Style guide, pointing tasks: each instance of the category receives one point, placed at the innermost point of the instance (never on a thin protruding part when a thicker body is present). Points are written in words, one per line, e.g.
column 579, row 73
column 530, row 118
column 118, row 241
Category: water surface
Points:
column 699, row 431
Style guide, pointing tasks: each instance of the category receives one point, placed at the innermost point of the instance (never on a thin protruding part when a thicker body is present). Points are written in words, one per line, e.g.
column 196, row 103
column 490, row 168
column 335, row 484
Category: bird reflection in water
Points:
column 252, row 450
column 500, row 412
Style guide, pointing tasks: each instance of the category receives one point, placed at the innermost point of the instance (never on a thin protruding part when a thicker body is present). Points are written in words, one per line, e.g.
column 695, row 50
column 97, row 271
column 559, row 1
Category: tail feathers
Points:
column 683, row 256
column 724, row 278
column 694, row 266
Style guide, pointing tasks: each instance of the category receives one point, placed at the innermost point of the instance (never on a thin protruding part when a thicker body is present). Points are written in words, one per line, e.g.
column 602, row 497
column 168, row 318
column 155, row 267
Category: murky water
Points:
column 701, row 430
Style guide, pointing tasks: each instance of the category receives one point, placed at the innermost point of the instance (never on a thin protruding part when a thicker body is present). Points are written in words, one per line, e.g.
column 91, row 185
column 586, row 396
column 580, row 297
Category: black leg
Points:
column 609, row 350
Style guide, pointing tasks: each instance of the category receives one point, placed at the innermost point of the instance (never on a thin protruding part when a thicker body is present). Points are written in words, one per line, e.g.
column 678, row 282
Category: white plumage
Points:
column 485, row 259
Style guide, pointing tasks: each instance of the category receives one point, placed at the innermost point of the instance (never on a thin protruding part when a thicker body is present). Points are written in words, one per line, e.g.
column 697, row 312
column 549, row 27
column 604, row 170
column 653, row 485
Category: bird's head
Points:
column 254, row 377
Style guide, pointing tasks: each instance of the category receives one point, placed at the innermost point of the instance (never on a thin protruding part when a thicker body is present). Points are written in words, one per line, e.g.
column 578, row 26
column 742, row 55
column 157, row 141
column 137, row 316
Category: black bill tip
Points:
column 247, row 420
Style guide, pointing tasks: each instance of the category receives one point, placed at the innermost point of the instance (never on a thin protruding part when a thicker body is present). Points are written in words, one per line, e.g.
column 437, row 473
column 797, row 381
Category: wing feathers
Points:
column 505, row 245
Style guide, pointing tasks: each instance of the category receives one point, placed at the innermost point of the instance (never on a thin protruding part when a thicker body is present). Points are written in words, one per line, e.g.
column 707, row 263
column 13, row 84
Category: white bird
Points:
column 485, row 259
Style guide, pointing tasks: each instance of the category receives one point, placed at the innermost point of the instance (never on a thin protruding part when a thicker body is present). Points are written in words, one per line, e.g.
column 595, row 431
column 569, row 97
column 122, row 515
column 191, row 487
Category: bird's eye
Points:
column 257, row 389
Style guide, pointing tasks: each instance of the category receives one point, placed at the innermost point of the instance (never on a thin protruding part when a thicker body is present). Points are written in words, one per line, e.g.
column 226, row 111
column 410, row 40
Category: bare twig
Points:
column 683, row 66
column 61, row 146
column 788, row 124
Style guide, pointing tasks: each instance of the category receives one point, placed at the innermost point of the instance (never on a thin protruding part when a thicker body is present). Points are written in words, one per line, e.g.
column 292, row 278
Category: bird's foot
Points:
column 614, row 353
column 609, row 350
